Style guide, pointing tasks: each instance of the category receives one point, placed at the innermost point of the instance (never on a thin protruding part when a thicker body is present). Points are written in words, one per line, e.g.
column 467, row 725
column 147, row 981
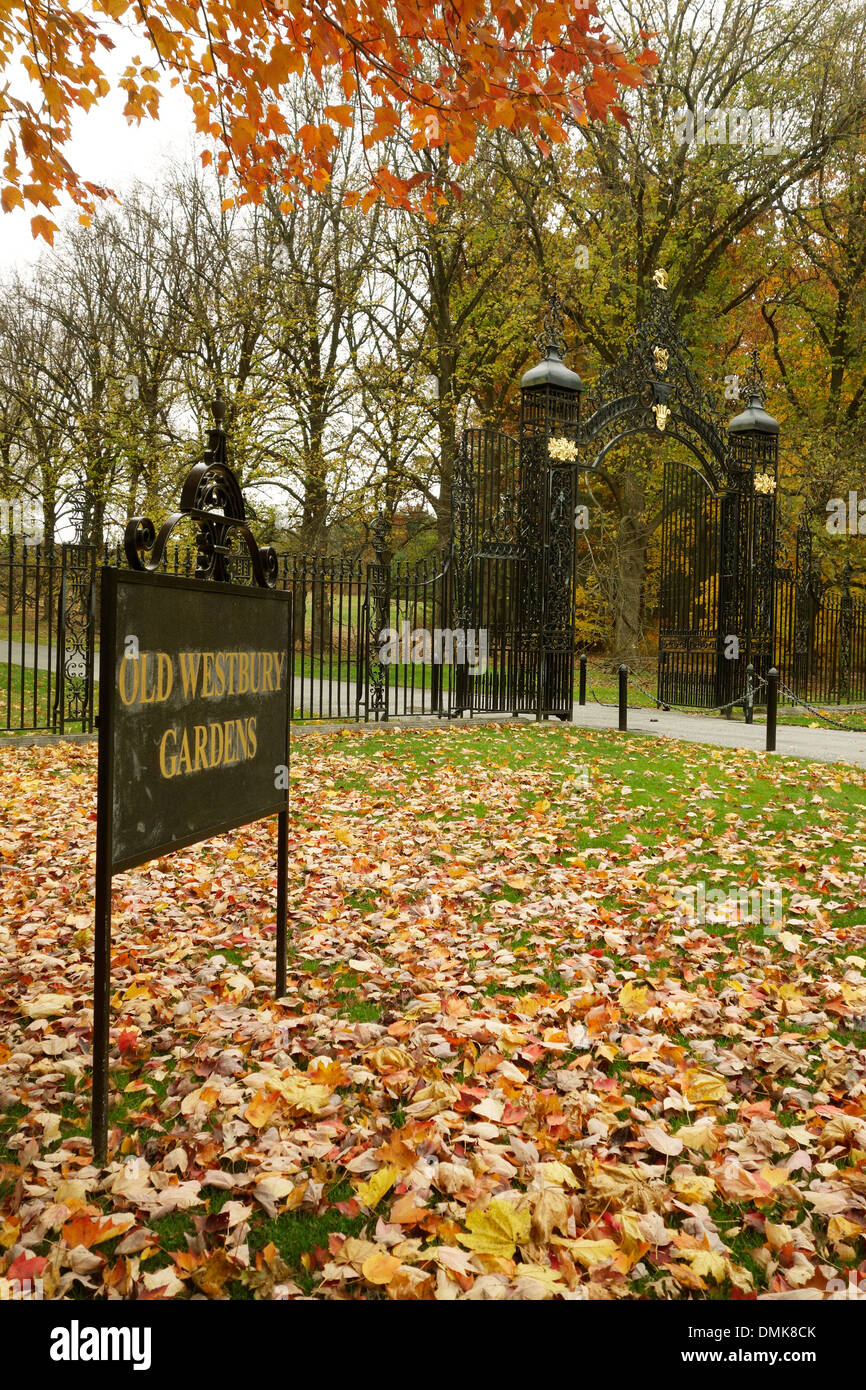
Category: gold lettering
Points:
column 189, row 664
column 206, row 673
column 251, row 734
column 241, row 730
column 229, row 756
column 267, row 671
column 184, row 763
column 164, row 676
column 168, row 769
column 279, row 658
column 233, row 666
column 220, row 672
column 200, row 757
column 243, row 672
column 121, row 681
column 146, row 699
column 216, row 747
column 255, row 665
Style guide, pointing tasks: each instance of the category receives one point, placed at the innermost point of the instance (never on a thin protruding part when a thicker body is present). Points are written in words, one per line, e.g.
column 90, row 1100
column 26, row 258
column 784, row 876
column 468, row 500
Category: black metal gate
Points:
column 491, row 565
column 693, row 666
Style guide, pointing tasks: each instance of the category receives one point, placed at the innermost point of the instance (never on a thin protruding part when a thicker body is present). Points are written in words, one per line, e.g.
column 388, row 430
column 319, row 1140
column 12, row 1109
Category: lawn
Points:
column 513, row 1061
column 25, row 698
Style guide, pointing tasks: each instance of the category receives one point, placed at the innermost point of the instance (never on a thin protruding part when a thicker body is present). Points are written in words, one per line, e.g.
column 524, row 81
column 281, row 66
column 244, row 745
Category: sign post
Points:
column 194, row 712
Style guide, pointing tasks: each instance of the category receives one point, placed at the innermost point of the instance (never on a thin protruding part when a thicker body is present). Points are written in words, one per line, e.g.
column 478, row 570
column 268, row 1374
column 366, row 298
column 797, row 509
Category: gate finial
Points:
column 550, row 340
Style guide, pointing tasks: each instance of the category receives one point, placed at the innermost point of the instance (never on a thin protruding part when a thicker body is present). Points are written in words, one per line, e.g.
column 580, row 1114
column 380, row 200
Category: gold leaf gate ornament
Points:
column 662, row 414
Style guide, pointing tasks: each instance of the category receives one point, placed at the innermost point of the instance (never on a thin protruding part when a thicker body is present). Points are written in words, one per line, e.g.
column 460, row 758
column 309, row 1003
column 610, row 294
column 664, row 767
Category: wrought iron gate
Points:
column 491, row 570
column 693, row 668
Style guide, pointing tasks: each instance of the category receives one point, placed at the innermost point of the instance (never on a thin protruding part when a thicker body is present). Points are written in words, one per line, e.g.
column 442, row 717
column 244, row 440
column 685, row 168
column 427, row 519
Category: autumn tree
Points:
column 442, row 72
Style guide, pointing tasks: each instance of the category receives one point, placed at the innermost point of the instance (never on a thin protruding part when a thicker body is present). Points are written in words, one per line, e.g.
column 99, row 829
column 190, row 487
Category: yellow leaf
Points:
column 694, row 1187
column 790, row 941
column 48, row 1006
column 11, row 198
column 541, row 1274
column 706, row 1263
column 558, row 1173
column 839, row 1229
column 588, row 1252
column 303, row 1094
column 496, row 1231
column 699, row 1137
column 44, row 227
column 633, row 1239
column 371, row 1193
column 633, row 998
column 703, row 1087
column 8, row 1233
column 380, row 1268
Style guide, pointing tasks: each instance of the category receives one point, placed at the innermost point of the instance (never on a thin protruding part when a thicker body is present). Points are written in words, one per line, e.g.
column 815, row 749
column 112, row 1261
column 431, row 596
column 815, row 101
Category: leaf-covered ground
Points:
column 511, row 1064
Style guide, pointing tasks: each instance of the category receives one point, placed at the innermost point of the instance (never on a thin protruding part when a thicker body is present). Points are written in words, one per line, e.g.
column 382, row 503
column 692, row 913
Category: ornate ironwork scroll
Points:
column 73, row 697
column 211, row 498
column 652, row 387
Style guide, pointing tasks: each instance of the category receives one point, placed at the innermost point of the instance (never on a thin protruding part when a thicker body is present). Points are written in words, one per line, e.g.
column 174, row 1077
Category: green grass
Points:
column 18, row 689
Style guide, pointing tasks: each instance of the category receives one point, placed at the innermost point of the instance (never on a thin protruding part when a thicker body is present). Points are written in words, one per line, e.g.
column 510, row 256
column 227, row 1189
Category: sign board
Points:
column 194, row 717
column 194, row 709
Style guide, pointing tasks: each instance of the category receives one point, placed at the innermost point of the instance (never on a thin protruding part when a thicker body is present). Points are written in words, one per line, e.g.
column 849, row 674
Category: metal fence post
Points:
column 623, row 697
column 581, row 696
column 749, row 701
column 772, row 707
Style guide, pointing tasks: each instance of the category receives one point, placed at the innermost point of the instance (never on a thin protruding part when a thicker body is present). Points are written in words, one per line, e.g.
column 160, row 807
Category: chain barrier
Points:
column 835, row 723
column 699, row 709
column 667, row 705
column 738, row 703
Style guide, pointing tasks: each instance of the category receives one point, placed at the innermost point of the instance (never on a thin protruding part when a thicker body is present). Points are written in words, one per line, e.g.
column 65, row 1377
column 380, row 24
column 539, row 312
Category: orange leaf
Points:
column 341, row 114
column 44, row 227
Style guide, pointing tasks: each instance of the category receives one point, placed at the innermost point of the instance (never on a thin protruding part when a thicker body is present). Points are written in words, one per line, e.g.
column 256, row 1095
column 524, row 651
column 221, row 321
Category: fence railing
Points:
column 820, row 642
column 340, row 669
column 49, row 625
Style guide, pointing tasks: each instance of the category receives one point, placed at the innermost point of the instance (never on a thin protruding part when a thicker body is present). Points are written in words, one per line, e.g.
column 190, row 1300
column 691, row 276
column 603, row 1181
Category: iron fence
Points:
column 372, row 639
column 341, row 668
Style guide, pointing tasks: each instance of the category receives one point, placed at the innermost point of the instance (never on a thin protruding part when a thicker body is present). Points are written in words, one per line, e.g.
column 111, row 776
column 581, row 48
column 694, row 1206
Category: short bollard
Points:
column 772, row 707
column 749, row 702
column 623, row 697
column 581, row 690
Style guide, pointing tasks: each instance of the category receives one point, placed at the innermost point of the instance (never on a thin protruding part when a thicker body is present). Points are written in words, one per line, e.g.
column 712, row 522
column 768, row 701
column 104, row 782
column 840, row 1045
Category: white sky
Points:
column 108, row 150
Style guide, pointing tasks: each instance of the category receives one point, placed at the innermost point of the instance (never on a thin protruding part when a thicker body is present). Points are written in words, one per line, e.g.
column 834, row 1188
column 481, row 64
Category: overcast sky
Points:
column 107, row 150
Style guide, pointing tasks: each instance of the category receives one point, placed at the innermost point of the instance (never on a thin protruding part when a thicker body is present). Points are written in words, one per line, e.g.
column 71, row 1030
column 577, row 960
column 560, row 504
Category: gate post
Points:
column 549, row 423
column 753, row 457
column 772, row 707
column 623, row 698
